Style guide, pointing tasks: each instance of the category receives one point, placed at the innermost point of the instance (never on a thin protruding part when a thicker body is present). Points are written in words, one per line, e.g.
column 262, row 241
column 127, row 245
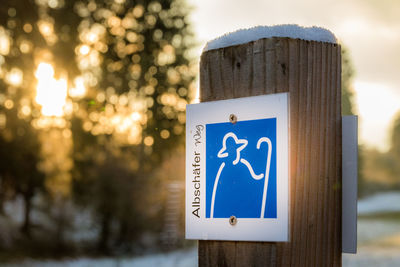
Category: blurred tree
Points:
column 348, row 108
column 128, row 76
column 19, row 141
column 136, row 57
column 381, row 170
column 19, row 159
column 347, row 83
column 395, row 138
column 394, row 152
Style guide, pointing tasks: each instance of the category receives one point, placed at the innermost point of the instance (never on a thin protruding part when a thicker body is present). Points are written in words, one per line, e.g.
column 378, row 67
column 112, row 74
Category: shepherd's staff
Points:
column 268, row 141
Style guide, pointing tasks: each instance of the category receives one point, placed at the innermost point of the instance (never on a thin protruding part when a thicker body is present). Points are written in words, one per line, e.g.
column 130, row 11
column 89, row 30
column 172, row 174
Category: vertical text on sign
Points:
column 197, row 137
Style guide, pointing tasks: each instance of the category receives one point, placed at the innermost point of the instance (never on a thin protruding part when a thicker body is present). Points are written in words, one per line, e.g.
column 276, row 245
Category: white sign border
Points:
column 247, row 108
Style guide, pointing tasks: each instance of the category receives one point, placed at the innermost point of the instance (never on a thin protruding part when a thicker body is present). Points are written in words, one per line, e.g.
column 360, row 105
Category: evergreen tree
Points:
column 134, row 110
column 130, row 75
column 19, row 159
column 19, row 141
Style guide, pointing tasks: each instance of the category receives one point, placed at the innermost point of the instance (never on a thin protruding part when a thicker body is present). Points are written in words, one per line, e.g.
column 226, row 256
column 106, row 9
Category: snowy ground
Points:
column 378, row 237
column 373, row 257
column 378, row 243
column 183, row 258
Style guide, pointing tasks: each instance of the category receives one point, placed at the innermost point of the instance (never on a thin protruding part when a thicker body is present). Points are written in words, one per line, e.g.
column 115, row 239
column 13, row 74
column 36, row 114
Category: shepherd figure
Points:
column 232, row 181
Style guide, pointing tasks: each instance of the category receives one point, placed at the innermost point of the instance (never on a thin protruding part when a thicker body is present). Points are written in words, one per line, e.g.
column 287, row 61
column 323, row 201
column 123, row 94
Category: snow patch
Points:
column 288, row 30
column 383, row 202
column 15, row 210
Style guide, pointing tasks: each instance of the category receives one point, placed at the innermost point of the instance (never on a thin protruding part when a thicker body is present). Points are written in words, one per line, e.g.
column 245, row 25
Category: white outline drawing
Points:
column 265, row 139
column 215, row 189
column 223, row 154
column 255, row 176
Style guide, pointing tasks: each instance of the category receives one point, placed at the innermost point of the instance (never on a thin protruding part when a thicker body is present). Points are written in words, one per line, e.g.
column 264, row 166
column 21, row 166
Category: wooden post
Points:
column 311, row 72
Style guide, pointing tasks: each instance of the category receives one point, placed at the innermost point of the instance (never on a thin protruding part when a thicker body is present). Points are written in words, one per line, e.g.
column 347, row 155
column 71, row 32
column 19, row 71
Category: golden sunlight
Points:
column 14, row 77
column 5, row 42
column 84, row 49
column 45, row 28
column 79, row 90
column 51, row 94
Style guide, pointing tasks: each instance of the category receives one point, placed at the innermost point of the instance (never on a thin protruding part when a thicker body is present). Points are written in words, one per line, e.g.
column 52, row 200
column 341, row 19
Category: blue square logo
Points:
column 241, row 169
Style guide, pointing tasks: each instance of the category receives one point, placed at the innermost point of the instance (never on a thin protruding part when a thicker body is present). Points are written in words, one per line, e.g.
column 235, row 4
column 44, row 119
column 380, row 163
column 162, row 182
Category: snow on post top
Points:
column 289, row 30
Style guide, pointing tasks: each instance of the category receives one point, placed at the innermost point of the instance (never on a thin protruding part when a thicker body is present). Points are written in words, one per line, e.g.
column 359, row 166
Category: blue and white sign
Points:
column 237, row 169
column 239, row 158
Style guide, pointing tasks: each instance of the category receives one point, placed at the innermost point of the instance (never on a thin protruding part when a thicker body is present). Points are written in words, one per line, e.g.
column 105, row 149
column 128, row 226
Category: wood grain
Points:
column 311, row 72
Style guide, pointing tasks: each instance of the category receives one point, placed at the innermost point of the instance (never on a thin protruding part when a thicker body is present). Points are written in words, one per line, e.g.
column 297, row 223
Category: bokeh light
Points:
column 51, row 94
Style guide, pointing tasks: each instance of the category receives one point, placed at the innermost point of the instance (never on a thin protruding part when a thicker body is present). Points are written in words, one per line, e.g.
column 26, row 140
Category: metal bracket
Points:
column 349, row 183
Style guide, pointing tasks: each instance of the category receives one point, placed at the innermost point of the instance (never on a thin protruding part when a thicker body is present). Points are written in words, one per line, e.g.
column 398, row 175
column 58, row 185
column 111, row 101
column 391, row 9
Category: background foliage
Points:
column 92, row 112
column 92, row 99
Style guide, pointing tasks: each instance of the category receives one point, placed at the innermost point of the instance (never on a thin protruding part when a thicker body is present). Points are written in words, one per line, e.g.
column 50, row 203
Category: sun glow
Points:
column 377, row 106
column 79, row 90
column 51, row 94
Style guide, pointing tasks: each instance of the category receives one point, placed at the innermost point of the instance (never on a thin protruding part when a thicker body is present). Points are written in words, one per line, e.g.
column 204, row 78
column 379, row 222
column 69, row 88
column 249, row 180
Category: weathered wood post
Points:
column 311, row 72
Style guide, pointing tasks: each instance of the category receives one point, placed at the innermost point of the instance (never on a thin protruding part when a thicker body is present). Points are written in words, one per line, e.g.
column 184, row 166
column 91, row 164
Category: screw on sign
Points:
column 233, row 118
column 232, row 220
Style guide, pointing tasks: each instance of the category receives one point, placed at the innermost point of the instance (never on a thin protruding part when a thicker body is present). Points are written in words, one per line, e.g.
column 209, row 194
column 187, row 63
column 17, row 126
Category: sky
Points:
column 370, row 29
